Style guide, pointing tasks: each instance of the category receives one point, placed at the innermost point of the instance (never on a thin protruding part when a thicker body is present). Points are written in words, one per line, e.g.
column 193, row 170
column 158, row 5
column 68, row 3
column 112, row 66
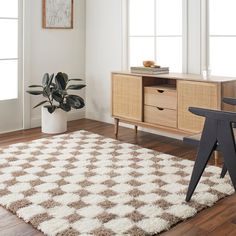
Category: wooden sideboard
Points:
column 162, row 101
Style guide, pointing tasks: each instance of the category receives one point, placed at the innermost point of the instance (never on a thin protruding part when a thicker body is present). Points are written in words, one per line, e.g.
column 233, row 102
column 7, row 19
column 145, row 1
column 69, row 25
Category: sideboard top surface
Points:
column 181, row 76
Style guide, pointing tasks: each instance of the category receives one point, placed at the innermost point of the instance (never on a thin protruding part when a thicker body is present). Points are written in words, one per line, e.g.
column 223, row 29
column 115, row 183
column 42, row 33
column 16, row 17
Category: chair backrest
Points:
column 214, row 114
column 230, row 101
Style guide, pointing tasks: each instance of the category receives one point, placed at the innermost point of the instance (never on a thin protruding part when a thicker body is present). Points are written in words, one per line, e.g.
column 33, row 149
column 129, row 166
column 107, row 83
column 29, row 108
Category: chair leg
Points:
column 224, row 171
column 206, row 147
column 227, row 145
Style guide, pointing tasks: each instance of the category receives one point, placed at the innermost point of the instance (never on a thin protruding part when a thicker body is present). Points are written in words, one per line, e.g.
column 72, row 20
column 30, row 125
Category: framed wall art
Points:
column 58, row 14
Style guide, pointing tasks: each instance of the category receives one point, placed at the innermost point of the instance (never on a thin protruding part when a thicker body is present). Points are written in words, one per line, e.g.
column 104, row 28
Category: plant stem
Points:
column 49, row 99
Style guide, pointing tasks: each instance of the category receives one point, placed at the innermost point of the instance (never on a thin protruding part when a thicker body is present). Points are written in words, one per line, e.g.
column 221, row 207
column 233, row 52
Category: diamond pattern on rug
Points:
column 85, row 184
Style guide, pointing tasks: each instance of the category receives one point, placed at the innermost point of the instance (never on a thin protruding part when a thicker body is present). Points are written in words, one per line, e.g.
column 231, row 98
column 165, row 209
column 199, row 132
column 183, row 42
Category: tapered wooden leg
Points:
column 216, row 157
column 206, row 147
column 136, row 129
column 116, row 127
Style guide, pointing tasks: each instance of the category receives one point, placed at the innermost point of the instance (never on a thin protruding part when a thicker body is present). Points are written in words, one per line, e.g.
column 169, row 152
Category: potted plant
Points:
column 58, row 101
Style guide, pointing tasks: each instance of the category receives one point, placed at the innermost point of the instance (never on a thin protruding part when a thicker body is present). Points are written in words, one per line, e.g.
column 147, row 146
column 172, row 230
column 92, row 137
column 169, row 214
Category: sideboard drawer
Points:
column 160, row 97
column 160, row 116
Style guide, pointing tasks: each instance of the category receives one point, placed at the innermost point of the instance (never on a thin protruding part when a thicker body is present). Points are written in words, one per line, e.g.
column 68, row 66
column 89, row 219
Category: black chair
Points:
column 217, row 135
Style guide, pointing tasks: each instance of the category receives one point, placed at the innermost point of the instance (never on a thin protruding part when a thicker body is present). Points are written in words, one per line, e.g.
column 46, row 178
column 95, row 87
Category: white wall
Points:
column 104, row 50
column 194, row 37
column 103, row 54
column 53, row 50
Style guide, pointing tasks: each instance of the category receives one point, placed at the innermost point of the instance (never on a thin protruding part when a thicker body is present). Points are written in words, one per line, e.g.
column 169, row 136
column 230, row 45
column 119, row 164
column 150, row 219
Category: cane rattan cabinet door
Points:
column 195, row 94
column 127, row 97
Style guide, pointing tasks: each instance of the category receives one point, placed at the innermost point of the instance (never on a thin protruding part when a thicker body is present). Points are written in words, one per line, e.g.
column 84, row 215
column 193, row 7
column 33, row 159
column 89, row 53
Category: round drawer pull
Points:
column 160, row 109
column 160, row 91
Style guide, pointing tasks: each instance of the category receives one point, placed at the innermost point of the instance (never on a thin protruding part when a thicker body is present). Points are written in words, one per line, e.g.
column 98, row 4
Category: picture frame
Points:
column 58, row 14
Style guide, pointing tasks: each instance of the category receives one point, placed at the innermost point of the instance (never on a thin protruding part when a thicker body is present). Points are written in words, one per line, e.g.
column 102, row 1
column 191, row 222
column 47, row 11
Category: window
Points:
column 155, row 32
column 222, row 37
column 9, row 49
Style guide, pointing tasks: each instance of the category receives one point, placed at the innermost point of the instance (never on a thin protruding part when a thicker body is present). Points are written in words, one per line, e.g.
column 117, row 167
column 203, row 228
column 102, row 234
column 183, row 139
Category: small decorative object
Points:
column 58, row 100
column 58, row 14
column 148, row 63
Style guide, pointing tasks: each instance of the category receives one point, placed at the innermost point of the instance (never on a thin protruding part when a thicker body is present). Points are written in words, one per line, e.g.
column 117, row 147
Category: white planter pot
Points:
column 54, row 123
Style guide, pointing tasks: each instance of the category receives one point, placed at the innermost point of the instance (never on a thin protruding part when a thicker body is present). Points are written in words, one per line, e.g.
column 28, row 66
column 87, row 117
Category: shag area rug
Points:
column 85, row 184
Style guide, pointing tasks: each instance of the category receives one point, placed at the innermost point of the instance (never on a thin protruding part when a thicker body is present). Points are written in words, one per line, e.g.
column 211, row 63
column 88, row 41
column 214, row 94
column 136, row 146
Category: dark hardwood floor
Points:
column 219, row 220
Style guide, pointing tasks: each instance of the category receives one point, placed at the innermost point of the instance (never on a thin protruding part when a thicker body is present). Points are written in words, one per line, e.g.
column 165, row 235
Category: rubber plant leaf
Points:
column 57, row 96
column 45, row 80
column 35, row 92
column 35, row 86
column 76, row 86
column 41, row 103
column 75, row 80
column 65, row 107
column 51, row 109
column 75, row 101
column 60, row 81
column 65, row 77
column 50, row 79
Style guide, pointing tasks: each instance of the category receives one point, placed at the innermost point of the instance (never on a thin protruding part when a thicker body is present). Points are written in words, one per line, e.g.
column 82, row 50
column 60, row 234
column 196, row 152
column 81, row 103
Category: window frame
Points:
column 205, row 39
column 126, row 36
column 19, row 58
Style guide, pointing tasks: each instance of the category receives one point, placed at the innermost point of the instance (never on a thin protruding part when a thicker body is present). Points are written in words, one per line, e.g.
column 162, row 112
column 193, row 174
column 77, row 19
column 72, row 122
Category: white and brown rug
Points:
column 85, row 184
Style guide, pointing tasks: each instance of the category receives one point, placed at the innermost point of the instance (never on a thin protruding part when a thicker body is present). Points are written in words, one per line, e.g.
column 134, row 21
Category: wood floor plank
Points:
column 217, row 220
column 223, row 229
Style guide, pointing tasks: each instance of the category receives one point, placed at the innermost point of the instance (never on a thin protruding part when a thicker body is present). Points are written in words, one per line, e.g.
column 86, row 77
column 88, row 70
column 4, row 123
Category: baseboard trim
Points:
column 103, row 118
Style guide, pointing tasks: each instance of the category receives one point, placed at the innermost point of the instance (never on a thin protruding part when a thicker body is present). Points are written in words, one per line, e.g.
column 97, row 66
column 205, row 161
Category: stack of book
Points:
column 149, row 70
